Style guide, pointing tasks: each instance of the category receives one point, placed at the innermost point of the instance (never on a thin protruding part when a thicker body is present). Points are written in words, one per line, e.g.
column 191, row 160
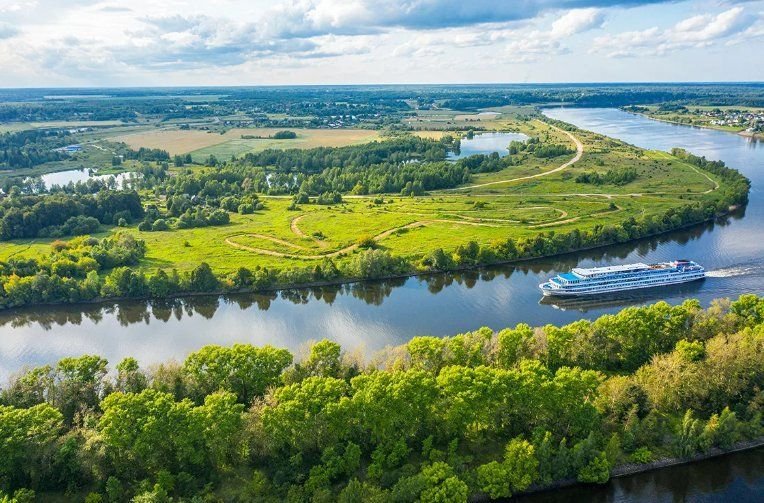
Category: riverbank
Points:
column 358, row 280
column 740, row 132
column 629, row 469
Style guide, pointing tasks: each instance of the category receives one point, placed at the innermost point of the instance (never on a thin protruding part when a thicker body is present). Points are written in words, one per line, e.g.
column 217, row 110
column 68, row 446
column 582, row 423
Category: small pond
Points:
column 62, row 178
column 487, row 143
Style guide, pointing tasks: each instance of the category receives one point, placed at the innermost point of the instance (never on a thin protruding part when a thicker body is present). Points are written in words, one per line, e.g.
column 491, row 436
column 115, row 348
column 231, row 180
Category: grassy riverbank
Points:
column 601, row 192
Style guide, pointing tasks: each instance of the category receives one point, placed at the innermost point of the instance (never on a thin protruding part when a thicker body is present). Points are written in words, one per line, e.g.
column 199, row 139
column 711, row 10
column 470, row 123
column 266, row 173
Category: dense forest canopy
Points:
column 482, row 413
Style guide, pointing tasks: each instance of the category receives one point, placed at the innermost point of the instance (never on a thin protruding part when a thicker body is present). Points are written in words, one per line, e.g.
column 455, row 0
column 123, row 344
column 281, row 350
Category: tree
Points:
column 310, row 415
column 222, row 418
column 146, row 432
column 130, row 378
column 514, row 474
column 27, row 435
column 202, row 279
column 688, row 436
column 442, row 485
column 597, row 471
column 79, row 383
column 513, row 344
column 243, row 369
column 393, row 405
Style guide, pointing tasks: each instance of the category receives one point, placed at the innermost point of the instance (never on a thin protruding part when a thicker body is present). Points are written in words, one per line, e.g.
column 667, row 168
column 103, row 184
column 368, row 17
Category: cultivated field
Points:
column 201, row 143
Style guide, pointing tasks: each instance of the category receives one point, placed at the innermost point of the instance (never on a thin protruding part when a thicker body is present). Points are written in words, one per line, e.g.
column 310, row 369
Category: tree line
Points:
column 436, row 419
column 26, row 149
column 64, row 214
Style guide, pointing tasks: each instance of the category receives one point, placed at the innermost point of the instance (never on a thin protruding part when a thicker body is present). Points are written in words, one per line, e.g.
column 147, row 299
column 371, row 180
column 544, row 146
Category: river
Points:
column 736, row 477
column 370, row 316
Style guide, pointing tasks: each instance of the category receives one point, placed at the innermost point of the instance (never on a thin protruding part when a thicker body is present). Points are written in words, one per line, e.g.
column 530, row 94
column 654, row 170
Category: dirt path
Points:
column 420, row 223
column 298, row 231
column 575, row 159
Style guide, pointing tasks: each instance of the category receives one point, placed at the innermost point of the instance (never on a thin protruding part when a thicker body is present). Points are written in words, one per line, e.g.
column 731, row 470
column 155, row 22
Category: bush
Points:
column 643, row 455
column 160, row 225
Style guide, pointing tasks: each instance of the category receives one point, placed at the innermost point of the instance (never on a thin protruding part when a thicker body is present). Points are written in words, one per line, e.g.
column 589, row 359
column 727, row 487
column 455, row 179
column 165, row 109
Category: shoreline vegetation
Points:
column 650, row 115
column 480, row 415
column 628, row 469
column 275, row 288
column 86, row 269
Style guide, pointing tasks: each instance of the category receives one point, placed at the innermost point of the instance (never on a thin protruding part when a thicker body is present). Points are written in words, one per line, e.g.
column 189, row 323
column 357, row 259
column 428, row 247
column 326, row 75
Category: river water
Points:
column 736, row 477
column 370, row 316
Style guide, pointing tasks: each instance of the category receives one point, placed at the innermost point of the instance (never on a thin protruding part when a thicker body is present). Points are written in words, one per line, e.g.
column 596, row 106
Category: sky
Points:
column 74, row 43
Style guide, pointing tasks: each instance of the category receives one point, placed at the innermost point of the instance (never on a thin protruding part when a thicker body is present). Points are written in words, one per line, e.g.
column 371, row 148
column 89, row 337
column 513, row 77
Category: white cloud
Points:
column 693, row 32
column 578, row 21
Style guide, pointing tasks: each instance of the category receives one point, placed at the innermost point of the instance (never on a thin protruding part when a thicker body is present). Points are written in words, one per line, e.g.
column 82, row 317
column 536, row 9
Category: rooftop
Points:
column 610, row 269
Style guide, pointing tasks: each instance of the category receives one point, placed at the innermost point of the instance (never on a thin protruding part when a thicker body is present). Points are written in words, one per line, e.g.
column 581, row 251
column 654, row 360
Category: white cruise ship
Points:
column 617, row 278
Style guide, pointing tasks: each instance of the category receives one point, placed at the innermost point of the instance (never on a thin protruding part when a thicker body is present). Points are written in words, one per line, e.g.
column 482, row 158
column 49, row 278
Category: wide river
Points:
column 370, row 316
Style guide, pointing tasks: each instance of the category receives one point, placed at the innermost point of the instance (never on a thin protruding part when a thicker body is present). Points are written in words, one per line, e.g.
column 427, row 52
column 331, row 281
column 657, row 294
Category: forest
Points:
column 482, row 413
column 372, row 105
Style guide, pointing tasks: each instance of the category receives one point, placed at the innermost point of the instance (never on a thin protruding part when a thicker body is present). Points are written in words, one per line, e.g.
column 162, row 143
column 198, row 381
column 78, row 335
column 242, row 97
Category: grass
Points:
column 415, row 226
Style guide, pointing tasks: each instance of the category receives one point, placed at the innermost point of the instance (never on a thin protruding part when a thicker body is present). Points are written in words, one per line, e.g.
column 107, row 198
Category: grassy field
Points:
column 202, row 143
column 10, row 127
column 536, row 195
column 414, row 226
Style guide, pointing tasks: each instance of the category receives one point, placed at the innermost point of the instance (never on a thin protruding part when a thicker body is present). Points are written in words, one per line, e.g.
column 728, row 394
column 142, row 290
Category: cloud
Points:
column 7, row 31
column 305, row 18
column 693, row 32
column 578, row 21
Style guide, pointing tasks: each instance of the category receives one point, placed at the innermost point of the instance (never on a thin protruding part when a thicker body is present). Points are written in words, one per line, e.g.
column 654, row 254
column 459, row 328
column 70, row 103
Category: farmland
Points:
column 201, row 144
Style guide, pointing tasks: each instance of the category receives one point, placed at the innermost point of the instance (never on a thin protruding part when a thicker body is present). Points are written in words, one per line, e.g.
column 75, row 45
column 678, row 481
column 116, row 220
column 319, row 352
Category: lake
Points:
column 62, row 178
column 486, row 143
column 370, row 316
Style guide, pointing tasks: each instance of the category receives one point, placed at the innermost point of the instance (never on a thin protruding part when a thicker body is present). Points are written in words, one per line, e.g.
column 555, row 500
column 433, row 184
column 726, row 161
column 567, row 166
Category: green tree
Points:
column 442, row 485
column 146, row 432
column 518, row 470
column 202, row 279
column 27, row 435
column 310, row 415
column 243, row 369
column 130, row 378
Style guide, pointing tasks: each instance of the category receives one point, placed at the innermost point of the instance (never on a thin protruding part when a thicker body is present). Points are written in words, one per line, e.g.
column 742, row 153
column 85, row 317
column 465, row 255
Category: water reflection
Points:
column 738, row 477
column 372, row 315
column 372, row 293
column 486, row 143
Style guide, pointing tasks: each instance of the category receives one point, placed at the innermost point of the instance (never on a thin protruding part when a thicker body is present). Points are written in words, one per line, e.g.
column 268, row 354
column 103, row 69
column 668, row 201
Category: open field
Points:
column 204, row 143
column 9, row 127
column 437, row 120
column 510, row 205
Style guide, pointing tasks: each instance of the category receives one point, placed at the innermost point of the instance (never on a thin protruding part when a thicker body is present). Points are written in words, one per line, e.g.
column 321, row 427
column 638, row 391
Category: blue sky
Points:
column 252, row 42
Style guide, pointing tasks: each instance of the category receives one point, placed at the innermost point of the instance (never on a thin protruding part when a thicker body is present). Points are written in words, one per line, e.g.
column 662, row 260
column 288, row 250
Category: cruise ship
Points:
column 617, row 278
